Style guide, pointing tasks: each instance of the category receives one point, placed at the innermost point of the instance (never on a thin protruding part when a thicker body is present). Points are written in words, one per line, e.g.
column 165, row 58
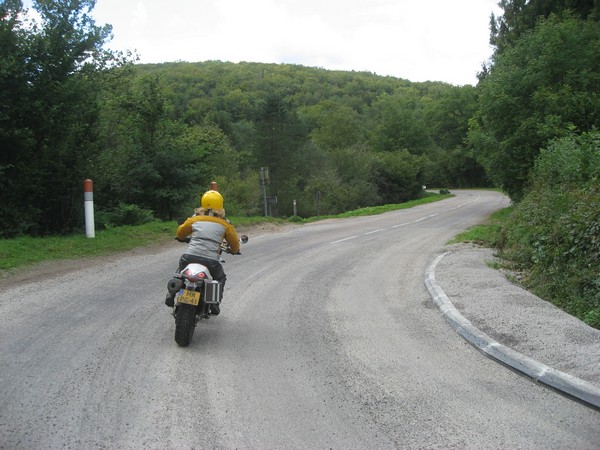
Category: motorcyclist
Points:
column 208, row 228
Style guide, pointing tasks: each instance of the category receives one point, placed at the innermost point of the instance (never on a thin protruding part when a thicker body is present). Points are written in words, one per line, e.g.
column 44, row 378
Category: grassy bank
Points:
column 25, row 251
column 568, row 297
column 488, row 234
column 372, row 210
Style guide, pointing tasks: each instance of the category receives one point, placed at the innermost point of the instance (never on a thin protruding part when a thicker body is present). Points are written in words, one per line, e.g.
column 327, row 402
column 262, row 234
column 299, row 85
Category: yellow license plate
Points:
column 189, row 297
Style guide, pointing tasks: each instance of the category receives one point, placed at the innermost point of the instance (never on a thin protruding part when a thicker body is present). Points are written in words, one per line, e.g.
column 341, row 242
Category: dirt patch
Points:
column 266, row 227
column 53, row 268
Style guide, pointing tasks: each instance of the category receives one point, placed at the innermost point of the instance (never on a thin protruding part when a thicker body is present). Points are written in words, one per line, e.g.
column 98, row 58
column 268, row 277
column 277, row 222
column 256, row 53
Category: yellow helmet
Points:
column 212, row 200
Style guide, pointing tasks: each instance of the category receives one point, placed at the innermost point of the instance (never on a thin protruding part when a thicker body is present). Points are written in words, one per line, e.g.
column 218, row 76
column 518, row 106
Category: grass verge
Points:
column 25, row 251
column 487, row 234
column 372, row 210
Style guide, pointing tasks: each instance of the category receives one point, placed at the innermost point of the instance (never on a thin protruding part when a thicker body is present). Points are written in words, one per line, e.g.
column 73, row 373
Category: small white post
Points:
column 88, row 202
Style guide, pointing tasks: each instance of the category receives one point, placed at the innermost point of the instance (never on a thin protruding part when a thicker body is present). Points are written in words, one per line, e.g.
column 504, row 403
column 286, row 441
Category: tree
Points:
column 280, row 140
column 50, row 82
column 334, row 126
column 151, row 161
column 14, row 131
column 544, row 87
column 399, row 176
column 400, row 123
column 448, row 110
column 521, row 16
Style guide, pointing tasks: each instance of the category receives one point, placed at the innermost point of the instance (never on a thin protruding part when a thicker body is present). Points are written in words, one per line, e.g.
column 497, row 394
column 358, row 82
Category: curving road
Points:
column 327, row 338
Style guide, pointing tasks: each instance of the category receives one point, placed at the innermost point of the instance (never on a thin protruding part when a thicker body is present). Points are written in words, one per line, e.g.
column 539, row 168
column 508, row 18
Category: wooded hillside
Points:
column 357, row 138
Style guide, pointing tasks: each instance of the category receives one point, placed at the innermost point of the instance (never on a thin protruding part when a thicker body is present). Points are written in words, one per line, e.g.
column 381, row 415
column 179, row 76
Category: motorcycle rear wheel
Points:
column 185, row 322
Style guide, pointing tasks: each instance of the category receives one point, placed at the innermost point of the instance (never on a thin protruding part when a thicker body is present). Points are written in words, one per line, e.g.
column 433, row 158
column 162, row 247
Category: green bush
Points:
column 124, row 214
column 593, row 318
column 554, row 232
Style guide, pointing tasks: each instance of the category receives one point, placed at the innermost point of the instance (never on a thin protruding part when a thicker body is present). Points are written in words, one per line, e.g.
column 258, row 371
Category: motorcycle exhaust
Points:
column 174, row 285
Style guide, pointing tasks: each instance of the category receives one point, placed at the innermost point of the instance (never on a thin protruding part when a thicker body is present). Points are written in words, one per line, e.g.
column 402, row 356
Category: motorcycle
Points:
column 195, row 294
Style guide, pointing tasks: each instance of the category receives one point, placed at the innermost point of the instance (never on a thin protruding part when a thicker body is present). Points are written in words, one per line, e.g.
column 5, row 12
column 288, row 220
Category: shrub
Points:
column 124, row 214
column 554, row 232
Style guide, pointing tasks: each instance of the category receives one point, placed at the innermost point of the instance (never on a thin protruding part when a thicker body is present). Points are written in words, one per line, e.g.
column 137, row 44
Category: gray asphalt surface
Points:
column 513, row 326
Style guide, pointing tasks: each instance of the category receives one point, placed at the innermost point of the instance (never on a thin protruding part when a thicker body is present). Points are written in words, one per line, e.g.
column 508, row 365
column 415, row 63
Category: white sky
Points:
column 418, row 40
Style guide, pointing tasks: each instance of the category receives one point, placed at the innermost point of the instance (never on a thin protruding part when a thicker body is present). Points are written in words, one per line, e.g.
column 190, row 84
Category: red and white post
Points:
column 88, row 202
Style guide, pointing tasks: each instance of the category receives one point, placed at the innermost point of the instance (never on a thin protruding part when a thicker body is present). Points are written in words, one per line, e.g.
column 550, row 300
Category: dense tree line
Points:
column 356, row 138
column 521, row 16
column 543, row 84
column 50, row 73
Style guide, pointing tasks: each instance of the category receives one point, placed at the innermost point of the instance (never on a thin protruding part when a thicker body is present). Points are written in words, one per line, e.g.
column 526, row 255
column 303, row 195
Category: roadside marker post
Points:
column 88, row 203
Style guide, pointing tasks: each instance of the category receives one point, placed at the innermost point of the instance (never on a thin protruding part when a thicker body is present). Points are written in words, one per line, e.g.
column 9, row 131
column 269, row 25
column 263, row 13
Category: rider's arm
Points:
column 184, row 229
column 232, row 238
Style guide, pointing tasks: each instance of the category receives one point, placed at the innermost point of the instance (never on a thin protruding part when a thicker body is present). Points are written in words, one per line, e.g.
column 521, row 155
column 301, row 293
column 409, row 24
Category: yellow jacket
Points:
column 207, row 234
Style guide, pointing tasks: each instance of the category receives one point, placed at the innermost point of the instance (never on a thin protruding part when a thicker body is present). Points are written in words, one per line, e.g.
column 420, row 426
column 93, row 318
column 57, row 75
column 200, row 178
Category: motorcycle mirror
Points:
column 243, row 238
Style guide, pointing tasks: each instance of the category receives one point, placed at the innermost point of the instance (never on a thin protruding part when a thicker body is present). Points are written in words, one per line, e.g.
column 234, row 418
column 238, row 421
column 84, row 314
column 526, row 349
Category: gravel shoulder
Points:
column 515, row 317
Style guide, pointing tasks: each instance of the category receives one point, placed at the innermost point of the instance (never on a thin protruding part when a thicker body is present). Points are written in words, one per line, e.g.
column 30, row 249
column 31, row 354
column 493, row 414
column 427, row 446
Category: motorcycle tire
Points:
column 185, row 322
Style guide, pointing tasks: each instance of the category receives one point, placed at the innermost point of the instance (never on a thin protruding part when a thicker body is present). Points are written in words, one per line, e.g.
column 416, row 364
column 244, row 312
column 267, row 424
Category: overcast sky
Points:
column 418, row 40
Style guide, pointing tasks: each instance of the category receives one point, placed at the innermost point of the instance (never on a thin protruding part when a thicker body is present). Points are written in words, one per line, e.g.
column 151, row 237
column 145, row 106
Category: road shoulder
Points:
column 514, row 317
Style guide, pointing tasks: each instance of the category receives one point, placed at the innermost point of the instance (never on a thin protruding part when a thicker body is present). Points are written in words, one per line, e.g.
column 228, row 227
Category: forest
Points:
column 152, row 137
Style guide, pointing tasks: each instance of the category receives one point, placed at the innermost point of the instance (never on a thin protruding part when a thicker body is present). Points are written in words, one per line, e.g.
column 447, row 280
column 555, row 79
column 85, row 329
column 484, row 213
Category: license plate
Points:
column 189, row 297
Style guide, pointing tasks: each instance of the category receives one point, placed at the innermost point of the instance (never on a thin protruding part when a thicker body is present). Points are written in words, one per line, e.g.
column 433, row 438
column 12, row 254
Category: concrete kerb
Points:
column 568, row 384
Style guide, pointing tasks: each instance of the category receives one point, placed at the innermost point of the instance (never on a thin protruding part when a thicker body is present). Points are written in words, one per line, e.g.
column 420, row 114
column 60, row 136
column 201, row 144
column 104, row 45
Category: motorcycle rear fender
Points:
column 193, row 270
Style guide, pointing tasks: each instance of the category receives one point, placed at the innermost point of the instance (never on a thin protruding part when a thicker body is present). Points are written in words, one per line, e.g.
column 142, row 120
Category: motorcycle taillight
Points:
column 193, row 276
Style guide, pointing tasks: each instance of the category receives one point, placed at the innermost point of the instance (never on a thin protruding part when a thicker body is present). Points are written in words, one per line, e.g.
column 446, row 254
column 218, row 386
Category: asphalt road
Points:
column 327, row 338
